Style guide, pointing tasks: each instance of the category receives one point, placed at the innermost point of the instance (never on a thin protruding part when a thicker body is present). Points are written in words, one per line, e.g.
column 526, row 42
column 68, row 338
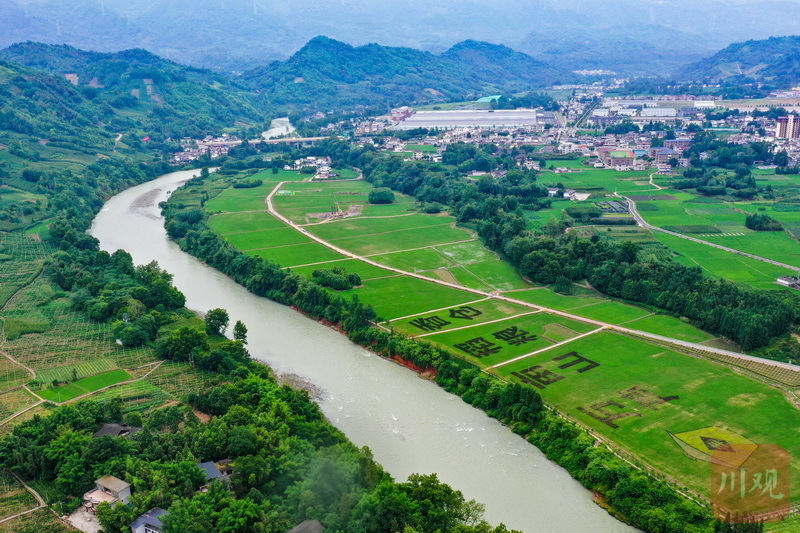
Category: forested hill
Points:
column 138, row 89
column 775, row 61
column 327, row 72
column 34, row 103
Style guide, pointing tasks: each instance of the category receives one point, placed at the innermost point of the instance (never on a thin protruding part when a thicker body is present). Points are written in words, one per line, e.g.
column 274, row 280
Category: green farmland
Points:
column 63, row 393
column 592, row 369
column 655, row 391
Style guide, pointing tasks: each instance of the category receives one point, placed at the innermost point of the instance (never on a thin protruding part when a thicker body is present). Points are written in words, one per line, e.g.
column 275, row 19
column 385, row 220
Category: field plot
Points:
column 21, row 258
column 14, row 401
column 553, row 300
column 402, row 205
column 136, row 396
column 611, row 312
column 298, row 254
column 471, row 313
column 179, row 380
column 307, row 203
column 242, row 222
column 497, row 274
column 355, row 227
column 635, row 393
column 274, row 177
column 234, row 201
column 63, row 393
column 421, row 147
column 80, row 370
column 496, row 342
column 404, row 295
column 364, row 270
column 724, row 264
column 11, row 375
column 268, row 238
column 41, row 521
column 669, row 327
column 596, row 179
column 13, row 496
column 402, row 239
column 776, row 245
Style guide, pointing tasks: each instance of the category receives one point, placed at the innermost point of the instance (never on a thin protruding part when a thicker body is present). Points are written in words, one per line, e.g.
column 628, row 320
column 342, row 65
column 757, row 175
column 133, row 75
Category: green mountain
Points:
column 135, row 88
column 330, row 73
column 35, row 103
column 775, row 61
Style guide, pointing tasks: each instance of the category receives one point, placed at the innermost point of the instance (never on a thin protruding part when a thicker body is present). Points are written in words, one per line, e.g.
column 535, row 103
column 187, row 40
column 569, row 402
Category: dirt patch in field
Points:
column 446, row 275
column 203, row 417
column 352, row 211
column 745, row 400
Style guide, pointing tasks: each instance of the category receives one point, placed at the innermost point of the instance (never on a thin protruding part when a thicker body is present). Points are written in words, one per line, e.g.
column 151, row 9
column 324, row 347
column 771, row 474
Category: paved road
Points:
column 642, row 222
column 601, row 325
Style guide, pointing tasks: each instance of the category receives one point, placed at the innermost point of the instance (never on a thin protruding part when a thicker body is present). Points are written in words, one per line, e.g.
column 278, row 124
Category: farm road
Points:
column 602, row 325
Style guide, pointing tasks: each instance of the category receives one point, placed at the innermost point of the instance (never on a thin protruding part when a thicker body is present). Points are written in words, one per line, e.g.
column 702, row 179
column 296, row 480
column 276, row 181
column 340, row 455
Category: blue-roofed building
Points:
column 149, row 522
column 488, row 99
column 211, row 470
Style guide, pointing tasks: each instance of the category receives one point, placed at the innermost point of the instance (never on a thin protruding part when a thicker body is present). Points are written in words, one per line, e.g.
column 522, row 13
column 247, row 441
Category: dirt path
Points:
column 660, row 339
column 31, row 371
column 659, row 187
column 35, row 494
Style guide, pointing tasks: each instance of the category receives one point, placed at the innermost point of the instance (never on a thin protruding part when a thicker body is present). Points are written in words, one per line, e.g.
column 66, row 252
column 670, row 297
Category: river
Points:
column 411, row 425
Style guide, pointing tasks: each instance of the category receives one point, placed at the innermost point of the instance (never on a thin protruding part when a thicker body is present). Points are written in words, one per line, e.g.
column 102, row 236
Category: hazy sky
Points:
column 211, row 32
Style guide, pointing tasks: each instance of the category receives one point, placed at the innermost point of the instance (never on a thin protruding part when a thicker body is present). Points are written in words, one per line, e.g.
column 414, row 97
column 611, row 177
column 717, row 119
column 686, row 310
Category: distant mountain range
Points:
column 775, row 61
column 627, row 36
column 331, row 73
column 135, row 88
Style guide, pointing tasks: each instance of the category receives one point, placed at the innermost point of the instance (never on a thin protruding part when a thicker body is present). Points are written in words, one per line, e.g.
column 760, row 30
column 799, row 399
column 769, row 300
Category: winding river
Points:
column 411, row 425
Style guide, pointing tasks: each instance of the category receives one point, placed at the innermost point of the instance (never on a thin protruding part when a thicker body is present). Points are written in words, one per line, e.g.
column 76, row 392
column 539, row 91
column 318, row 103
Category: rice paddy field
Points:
column 641, row 392
column 625, row 389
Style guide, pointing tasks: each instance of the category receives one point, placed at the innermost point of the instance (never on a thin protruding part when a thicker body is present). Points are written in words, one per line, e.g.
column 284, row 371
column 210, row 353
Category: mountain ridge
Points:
column 775, row 61
column 330, row 72
column 166, row 98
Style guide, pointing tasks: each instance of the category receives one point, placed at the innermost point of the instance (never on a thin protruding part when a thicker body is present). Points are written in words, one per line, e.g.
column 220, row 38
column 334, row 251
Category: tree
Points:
column 217, row 321
column 182, row 344
column 240, row 332
column 381, row 195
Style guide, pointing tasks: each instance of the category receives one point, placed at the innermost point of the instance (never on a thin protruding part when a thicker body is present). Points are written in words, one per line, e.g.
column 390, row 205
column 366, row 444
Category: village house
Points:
column 115, row 430
column 149, row 522
column 108, row 489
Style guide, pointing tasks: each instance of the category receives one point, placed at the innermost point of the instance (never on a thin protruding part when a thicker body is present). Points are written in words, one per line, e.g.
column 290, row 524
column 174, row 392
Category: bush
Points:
column 381, row 195
column 247, row 184
column 337, row 278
